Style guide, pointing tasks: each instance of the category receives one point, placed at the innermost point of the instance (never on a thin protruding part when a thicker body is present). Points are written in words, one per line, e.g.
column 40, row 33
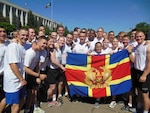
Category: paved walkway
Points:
column 72, row 107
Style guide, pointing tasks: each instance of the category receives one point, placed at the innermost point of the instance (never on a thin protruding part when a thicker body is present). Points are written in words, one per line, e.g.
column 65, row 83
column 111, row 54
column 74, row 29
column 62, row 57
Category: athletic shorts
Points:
column 14, row 98
column 31, row 82
column 62, row 77
column 52, row 76
column 143, row 86
column 2, row 93
column 134, row 77
column 43, row 72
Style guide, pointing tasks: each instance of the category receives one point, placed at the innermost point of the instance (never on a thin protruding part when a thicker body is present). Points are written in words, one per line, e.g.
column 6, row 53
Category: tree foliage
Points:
column 16, row 21
column 30, row 19
column 143, row 26
column 9, row 28
column 66, row 31
column 3, row 19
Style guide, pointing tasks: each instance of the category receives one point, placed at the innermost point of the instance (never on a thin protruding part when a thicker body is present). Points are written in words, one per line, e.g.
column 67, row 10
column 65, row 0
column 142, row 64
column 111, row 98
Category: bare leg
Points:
column 146, row 101
column 15, row 108
column 2, row 104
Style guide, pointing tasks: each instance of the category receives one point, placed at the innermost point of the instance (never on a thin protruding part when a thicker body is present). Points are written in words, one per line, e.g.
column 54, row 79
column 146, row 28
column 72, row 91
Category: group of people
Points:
column 29, row 60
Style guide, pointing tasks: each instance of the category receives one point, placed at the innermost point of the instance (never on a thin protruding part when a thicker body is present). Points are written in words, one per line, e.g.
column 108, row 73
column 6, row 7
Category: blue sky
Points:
column 115, row 15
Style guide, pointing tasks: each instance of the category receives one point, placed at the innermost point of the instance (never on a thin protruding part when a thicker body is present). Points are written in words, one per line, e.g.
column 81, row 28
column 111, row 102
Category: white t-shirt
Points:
column 92, row 44
column 14, row 54
column 106, row 51
column 140, row 57
column 81, row 48
column 58, row 56
column 43, row 56
column 66, row 48
column 32, row 58
column 95, row 53
column 2, row 53
column 115, row 50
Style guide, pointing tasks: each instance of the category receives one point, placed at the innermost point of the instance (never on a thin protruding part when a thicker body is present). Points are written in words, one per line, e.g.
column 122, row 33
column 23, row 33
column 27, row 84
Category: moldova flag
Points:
column 99, row 75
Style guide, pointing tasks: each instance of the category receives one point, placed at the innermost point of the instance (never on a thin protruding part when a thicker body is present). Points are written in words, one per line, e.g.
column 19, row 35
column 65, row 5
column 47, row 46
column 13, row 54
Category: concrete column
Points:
column 10, row 15
column 50, row 25
column 26, row 18
column 21, row 18
column 37, row 18
column 16, row 12
column 43, row 21
column 4, row 10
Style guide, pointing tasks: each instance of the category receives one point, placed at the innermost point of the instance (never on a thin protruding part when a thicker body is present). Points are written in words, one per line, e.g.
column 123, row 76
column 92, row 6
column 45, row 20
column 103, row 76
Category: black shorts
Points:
column 143, row 86
column 2, row 93
column 52, row 76
column 43, row 72
column 134, row 78
column 62, row 77
column 31, row 82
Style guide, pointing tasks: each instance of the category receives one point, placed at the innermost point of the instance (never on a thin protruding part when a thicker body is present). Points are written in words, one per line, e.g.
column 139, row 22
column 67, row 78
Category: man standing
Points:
column 2, row 53
column 141, row 59
column 14, row 72
column 33, row 76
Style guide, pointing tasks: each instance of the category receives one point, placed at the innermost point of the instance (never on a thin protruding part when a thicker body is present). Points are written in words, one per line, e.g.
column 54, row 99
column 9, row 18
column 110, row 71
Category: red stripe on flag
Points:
column 99, row 92
column 75, row 75
column 121, row 71
column 98, row 61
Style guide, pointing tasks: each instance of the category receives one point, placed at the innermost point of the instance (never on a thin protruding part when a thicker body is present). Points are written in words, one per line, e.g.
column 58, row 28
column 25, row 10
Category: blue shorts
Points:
column 14, row 98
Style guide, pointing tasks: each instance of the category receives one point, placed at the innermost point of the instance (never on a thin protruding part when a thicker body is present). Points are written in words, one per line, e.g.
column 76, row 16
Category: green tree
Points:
column 16, row 21
column 3, row 19
column 47, row 30
column 30, row 19
column 39, row 22
column 143, row 26
column 66, row 31
column 9, row 28
column 35, row 22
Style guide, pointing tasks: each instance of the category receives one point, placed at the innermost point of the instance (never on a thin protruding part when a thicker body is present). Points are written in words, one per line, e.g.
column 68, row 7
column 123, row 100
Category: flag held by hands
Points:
column 99, row 75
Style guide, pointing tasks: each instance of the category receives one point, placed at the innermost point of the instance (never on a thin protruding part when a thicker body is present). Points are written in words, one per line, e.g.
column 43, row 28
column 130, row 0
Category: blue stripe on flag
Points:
column 121, row 88
column 117, row 57
column 77, row 59
column 80, row 90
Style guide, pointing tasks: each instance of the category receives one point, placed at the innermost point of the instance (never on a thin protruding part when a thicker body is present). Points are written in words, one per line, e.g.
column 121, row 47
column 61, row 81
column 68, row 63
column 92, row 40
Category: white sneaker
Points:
column 112, row 104
column 38, row 110
column 66, row 94
column 54, row 103
column 96, row 105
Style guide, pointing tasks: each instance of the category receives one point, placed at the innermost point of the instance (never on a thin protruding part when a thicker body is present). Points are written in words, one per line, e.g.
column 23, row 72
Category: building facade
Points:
column 10, row 11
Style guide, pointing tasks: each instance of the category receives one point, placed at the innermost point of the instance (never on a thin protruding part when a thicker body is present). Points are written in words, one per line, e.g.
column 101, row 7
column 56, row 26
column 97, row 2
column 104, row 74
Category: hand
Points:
column 120, row 48
column 23, row 82
column 142, row 78
column 63, row 68
column 88, row 43
column 130, row 48
column 43, row 76
column 38, row 80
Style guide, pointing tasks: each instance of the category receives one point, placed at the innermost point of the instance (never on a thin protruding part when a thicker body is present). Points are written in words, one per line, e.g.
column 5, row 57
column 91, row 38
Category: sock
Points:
column 54, row 99
column 130, row 105
column 66, row 93
column 145, row 111
column 59, row 95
